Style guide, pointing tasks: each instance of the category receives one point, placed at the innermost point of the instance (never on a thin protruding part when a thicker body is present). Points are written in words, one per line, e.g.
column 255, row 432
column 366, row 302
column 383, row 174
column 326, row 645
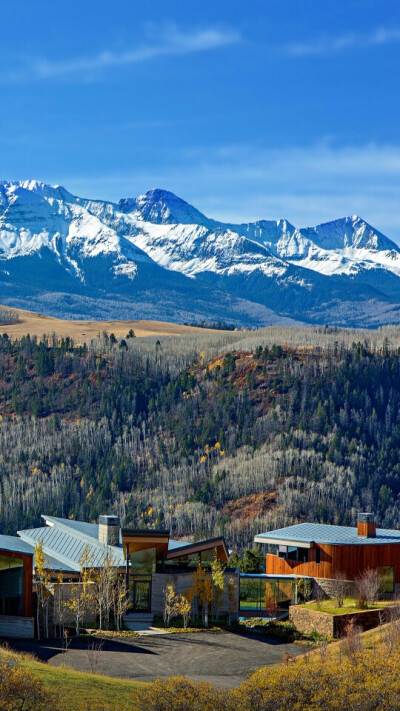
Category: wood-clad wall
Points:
column 350, row 560
column 366, row 528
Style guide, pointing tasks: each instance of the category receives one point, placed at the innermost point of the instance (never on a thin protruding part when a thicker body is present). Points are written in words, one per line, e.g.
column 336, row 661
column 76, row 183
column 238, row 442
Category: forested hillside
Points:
column 226, row 433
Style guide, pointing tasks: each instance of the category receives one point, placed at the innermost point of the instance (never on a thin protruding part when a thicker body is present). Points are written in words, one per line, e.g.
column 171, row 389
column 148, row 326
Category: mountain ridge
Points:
column 159, row 250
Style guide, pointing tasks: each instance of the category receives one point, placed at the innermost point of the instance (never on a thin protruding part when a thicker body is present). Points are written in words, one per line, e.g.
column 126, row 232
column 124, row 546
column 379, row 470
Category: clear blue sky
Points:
column 258, row 109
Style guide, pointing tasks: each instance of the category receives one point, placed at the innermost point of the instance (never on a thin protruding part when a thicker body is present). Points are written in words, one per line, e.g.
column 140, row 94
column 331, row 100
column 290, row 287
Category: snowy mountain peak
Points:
column 348, row 232
column 163, row 208
column 159, row 244
column 34, row 188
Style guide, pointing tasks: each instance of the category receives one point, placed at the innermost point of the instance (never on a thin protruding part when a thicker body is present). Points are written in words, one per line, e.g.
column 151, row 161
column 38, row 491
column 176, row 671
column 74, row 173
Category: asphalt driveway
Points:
column 223, row 658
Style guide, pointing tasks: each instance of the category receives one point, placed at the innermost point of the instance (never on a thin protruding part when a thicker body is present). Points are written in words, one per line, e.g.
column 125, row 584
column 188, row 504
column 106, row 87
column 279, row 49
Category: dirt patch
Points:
column 249, row 506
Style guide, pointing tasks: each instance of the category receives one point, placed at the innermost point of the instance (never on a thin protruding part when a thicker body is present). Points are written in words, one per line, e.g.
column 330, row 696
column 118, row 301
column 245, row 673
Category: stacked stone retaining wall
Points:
column 306, row 620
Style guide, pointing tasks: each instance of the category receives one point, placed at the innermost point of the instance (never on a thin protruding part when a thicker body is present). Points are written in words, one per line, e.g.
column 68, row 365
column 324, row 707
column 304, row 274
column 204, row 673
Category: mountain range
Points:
column 156, row 256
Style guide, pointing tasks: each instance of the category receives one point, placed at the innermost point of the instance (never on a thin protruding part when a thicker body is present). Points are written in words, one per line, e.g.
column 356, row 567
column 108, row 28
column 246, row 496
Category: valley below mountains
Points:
column 157, row 257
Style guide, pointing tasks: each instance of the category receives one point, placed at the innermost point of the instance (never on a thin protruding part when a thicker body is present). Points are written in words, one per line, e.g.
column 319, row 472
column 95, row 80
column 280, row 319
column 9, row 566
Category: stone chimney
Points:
column 109, row 530
column 366, row 527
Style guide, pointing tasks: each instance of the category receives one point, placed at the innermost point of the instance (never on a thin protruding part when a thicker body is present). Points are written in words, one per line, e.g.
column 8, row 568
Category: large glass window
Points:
column 257, row 593
column 185, row 562
column 294, row 553
column 11, row 585
column 144, row 561
column 386, row 578
column 140, row 593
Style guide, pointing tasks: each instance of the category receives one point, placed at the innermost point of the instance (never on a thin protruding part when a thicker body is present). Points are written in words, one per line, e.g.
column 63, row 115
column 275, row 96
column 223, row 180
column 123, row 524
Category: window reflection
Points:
column 11, row 585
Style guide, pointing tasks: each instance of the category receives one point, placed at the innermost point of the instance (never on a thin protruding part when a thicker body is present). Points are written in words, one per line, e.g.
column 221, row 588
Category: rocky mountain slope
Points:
column 156, row 256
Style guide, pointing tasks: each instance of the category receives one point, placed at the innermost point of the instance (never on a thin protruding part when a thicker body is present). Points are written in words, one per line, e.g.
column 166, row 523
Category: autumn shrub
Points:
column 363, row 683
column 20, row 690
column 182, row 694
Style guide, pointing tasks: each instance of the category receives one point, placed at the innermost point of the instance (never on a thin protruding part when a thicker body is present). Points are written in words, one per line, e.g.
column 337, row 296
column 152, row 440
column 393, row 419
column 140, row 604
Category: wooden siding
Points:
column 368, row 530
column 140, row 543
column 350, row 560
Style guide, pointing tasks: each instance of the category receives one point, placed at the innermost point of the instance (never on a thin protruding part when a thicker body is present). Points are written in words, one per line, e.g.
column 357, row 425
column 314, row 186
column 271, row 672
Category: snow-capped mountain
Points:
column 157, row 256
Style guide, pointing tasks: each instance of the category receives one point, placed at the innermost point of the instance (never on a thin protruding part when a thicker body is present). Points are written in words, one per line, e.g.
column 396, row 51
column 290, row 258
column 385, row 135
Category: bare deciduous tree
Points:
column 367, row 587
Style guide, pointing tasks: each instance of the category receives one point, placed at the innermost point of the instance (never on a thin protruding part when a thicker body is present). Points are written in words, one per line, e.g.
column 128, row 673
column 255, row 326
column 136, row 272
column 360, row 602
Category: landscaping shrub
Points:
column 181, row 694
column 360, row 681
column 22, row 691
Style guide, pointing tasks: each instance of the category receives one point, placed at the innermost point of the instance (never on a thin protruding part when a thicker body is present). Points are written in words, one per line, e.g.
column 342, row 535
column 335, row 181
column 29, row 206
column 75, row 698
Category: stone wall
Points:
column 182, row 582
column 65, row 591
column 307, row 620
column 325, row 588
column 17, row 627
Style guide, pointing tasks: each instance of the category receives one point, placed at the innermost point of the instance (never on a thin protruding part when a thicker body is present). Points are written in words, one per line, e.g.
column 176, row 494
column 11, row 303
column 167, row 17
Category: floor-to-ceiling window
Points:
column 143, row 564
column 11, row 585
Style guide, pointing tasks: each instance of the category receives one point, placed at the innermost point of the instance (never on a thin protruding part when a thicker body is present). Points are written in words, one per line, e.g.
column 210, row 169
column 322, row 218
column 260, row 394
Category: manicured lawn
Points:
column 81, row 691
column 349, row 605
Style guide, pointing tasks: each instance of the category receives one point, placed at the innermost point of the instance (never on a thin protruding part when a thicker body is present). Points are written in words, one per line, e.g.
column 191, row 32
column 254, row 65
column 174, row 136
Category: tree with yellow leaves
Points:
column 232, row 598
column 43, row 592
column 120, row 600
column 170, row 602
column 184, row 608
column 59, row 605
column 81, row 595
column 105, row 581
column 218, row 579
column 204, row 591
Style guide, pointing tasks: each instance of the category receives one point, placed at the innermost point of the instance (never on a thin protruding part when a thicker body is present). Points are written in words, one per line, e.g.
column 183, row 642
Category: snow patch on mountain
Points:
column 98, row 243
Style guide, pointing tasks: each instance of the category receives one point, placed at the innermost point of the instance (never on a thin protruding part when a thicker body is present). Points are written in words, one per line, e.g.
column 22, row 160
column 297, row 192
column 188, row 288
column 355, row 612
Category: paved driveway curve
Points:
column 223, row 658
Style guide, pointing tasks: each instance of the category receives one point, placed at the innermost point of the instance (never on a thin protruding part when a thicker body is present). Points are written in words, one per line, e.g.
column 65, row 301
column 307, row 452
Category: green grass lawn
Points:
column 349, row 605
column 81, row 691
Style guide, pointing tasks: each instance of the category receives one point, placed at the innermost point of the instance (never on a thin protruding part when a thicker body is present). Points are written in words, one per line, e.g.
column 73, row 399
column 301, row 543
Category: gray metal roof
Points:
column 14, row 545
column 82, row 527
column 65, row 544
column 56, row 565
column 324, row 533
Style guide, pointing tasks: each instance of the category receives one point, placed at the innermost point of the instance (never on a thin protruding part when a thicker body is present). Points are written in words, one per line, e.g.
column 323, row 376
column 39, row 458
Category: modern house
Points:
column 147, row 558
column 16, row 597
column 321, row 551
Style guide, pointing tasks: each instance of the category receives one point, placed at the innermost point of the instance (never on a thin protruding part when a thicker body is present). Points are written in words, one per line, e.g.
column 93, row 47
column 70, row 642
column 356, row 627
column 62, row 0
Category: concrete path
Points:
column 223, row 658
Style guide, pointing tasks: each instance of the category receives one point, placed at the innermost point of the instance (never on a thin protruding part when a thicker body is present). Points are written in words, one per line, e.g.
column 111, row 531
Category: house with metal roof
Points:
column 147, row 558
column 322, row 551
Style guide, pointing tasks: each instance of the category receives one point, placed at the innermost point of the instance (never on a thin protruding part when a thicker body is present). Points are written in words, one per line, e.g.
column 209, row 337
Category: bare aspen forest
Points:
column 204, row 434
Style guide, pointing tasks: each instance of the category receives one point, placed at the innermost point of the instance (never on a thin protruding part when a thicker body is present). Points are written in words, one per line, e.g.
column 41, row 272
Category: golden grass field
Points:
column 83, row 331
column 82, row 691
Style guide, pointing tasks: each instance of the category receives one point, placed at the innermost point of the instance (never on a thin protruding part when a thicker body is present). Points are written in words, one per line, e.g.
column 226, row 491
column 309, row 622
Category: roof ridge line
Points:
column 71, row 531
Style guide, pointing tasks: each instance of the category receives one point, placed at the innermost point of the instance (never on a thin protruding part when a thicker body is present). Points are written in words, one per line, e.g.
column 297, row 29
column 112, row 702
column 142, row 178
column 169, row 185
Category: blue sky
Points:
column 263, row 109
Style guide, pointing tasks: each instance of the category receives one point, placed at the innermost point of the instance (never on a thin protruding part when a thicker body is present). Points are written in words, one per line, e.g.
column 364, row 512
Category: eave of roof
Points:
column 13, row 544
column 198, row 545
column 306, row 534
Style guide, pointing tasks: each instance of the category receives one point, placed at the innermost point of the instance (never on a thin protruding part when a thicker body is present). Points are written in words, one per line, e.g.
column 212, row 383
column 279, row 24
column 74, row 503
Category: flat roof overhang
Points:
column 142, row 539
column 218, row 543
column 283, row 542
